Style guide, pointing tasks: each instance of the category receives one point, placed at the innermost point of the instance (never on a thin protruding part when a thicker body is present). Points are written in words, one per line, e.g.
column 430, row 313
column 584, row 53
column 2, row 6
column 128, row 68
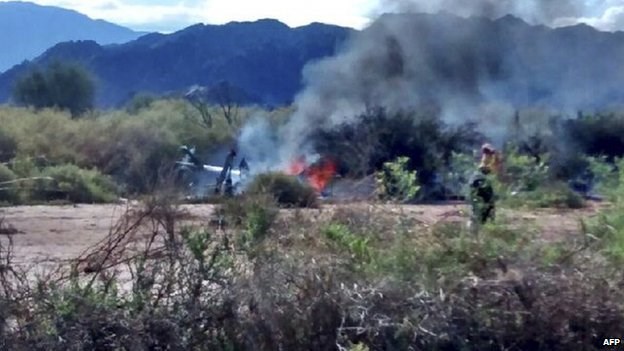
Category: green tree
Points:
column 67, row 86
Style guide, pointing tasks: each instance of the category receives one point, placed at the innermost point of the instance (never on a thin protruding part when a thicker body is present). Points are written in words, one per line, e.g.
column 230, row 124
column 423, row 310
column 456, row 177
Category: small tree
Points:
column 66, row 86
column 224, row 95
column 396, row 182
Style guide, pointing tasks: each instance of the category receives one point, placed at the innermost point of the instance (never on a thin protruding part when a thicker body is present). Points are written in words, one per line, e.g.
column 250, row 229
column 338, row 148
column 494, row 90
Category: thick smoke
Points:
column 532, row 11
column 405, row 62
column 477, row 69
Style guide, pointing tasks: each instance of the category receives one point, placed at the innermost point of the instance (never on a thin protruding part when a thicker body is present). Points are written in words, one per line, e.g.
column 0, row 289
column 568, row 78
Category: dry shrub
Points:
column 188, row 290
column 287, row 190
column 8, row 190
column 77, row 185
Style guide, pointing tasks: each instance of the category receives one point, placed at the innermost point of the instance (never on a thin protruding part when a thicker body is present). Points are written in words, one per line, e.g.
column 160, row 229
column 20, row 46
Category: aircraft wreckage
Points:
column 229, row 179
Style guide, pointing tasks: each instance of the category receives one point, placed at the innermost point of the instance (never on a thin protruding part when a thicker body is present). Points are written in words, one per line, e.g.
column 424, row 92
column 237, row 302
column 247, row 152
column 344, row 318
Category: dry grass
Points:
column 384, row 277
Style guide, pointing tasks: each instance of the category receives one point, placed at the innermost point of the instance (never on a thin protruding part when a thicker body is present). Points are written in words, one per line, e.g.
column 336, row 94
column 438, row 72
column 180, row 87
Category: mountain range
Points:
column 522, row 63
column 27, row 30
column 263, row 58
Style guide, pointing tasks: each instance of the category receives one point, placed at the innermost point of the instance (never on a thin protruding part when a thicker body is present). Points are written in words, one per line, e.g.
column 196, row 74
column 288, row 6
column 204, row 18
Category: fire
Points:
column 318, row 175
column 297, row 167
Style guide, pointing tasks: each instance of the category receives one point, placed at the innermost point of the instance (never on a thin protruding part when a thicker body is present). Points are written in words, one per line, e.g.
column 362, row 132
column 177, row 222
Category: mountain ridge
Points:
column 29, row 29
column 264, row 58
column 522, row 63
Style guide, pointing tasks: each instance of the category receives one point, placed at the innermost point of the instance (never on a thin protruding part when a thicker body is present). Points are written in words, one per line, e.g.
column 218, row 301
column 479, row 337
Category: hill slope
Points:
column 28, row 30
column 264, row 58
column 505, row 60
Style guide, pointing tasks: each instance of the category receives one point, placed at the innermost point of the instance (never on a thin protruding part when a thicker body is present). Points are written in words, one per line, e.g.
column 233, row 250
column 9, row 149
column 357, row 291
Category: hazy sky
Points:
column 171, row 15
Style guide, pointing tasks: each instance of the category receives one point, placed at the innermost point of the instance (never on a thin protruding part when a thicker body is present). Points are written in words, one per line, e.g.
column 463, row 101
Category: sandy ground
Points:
column 46, row 235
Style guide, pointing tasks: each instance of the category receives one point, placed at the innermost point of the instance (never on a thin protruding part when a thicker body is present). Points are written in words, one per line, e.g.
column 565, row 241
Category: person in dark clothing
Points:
column 482, row 196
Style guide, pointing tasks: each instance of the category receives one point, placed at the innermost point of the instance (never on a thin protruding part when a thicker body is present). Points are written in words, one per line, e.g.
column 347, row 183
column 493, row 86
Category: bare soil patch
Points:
column 45, row 235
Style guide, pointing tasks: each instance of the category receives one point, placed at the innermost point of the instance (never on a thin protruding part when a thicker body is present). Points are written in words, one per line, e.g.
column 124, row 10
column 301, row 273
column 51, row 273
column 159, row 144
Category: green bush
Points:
column 608, row 226
column 24, row 167
column 8, row 146
column 71, row 183
column 8, row 191
column 287, row 190
column 523, row 173
column 139, row 102
column 253, row 213
column 604, row 174
column 396, row 182
column 549, row 195
column 358, row 246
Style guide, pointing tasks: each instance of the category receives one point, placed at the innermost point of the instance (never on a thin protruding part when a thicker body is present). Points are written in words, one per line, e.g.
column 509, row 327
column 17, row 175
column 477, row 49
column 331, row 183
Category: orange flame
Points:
column 318, row 175
column 297, row 167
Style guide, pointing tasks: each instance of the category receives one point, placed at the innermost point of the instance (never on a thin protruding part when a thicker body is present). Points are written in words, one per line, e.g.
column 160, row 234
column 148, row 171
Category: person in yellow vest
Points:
column 490, row 159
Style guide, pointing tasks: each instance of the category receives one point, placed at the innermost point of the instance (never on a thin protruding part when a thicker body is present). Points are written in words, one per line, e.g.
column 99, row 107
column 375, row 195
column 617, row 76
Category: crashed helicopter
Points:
column 229, row 180
column 198, row 176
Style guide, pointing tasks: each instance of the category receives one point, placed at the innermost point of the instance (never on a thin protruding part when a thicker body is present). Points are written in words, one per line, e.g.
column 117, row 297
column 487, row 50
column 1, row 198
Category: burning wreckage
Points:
column 227, row 180
column 196, row 175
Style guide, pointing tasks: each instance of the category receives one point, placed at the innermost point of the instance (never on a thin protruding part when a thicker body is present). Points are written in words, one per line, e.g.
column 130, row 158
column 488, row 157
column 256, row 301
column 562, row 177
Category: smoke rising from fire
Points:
column 480, row 69
column 533, row 11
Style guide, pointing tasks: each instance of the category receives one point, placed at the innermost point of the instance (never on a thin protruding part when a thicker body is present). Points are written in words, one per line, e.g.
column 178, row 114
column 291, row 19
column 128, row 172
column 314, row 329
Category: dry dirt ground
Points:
column 45, row 235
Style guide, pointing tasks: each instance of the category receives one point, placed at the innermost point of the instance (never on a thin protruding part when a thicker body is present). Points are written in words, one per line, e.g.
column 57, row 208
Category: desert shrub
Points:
column 287, row 190
column 603, row 175
column 26, row 166
column 6, row 174
column 609, row 228
column 357, row 245
column 8, row 191
column 71, row 183
column 252, row 215
column 395, row 182
column 450, row 251
column 8, row 146
column 139, row 102
column 549, row 195
column 523, row 172
column 527, row 181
